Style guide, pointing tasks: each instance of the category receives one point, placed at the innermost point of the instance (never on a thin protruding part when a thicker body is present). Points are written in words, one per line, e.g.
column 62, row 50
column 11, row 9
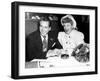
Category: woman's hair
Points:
column 68, row 19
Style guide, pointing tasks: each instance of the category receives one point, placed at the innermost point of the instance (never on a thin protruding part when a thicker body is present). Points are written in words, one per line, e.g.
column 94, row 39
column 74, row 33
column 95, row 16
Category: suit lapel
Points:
column 50, row 41
column 39, row 41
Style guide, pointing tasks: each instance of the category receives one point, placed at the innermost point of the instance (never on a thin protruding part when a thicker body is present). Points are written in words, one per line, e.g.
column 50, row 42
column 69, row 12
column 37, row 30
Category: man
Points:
column 39, row 42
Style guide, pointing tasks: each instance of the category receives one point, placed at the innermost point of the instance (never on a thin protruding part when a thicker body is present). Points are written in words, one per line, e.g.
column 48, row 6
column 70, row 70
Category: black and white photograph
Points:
column 53, row 40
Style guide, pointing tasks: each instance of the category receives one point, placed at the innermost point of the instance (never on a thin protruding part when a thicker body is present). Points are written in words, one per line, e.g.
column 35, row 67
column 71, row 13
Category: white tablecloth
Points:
column 58, row 62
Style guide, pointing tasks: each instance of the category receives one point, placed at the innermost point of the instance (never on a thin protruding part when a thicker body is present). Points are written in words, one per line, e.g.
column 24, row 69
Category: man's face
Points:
column 68, row 27
column 44, row 27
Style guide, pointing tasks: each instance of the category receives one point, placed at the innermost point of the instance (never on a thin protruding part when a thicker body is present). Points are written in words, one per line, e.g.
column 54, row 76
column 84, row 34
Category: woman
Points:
column 71, row 37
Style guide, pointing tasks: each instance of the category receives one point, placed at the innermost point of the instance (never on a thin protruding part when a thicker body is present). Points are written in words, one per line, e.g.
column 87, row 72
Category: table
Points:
column 55, row 62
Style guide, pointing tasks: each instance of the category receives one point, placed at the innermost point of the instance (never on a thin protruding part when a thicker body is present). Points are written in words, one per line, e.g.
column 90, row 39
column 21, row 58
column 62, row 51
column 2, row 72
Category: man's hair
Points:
column 45, row 19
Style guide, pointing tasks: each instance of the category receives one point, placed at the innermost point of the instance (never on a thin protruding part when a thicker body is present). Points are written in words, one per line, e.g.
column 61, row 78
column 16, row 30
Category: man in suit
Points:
column 39, row 42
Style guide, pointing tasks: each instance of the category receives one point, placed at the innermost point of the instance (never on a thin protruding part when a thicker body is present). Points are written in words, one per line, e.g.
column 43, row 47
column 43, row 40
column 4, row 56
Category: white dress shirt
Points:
column 43, row 38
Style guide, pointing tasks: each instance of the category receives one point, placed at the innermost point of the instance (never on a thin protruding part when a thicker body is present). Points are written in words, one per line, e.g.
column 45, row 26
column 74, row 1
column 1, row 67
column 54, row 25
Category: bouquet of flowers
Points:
column 81, row 53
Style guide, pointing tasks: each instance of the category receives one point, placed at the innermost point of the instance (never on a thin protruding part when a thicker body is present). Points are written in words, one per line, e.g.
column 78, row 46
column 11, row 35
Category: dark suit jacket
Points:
column 34, row 45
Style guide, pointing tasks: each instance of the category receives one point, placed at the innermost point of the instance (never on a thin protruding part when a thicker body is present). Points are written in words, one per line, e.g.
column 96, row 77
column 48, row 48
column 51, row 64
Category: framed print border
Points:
column 15, row 38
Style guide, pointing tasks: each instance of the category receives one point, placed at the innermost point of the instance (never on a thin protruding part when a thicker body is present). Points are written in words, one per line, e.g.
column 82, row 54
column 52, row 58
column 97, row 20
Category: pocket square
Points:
column 53, row 44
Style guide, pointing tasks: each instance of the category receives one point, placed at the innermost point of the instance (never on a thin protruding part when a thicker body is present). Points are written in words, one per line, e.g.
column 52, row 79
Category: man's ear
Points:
column 49, row 28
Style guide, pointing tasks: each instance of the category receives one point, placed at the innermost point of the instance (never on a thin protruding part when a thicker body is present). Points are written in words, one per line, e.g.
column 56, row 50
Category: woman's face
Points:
column 67, row 27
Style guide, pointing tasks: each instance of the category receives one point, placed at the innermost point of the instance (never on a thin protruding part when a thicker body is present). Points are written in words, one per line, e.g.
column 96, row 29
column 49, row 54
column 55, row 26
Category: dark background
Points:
column 31, row 24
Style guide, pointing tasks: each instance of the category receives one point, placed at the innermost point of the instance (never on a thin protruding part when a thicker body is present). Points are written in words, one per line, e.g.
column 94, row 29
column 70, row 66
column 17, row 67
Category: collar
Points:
column 43, row 38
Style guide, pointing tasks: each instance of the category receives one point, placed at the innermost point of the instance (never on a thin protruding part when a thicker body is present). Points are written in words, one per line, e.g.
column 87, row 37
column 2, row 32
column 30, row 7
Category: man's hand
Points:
column 52, row 53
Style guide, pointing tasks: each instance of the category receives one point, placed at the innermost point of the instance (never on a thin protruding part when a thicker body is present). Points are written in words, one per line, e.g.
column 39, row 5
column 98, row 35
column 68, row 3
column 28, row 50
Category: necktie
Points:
column 44, row 44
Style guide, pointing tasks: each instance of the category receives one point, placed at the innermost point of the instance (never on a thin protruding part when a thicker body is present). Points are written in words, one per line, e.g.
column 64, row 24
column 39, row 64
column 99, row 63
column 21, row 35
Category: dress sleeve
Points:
column 80, row 38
